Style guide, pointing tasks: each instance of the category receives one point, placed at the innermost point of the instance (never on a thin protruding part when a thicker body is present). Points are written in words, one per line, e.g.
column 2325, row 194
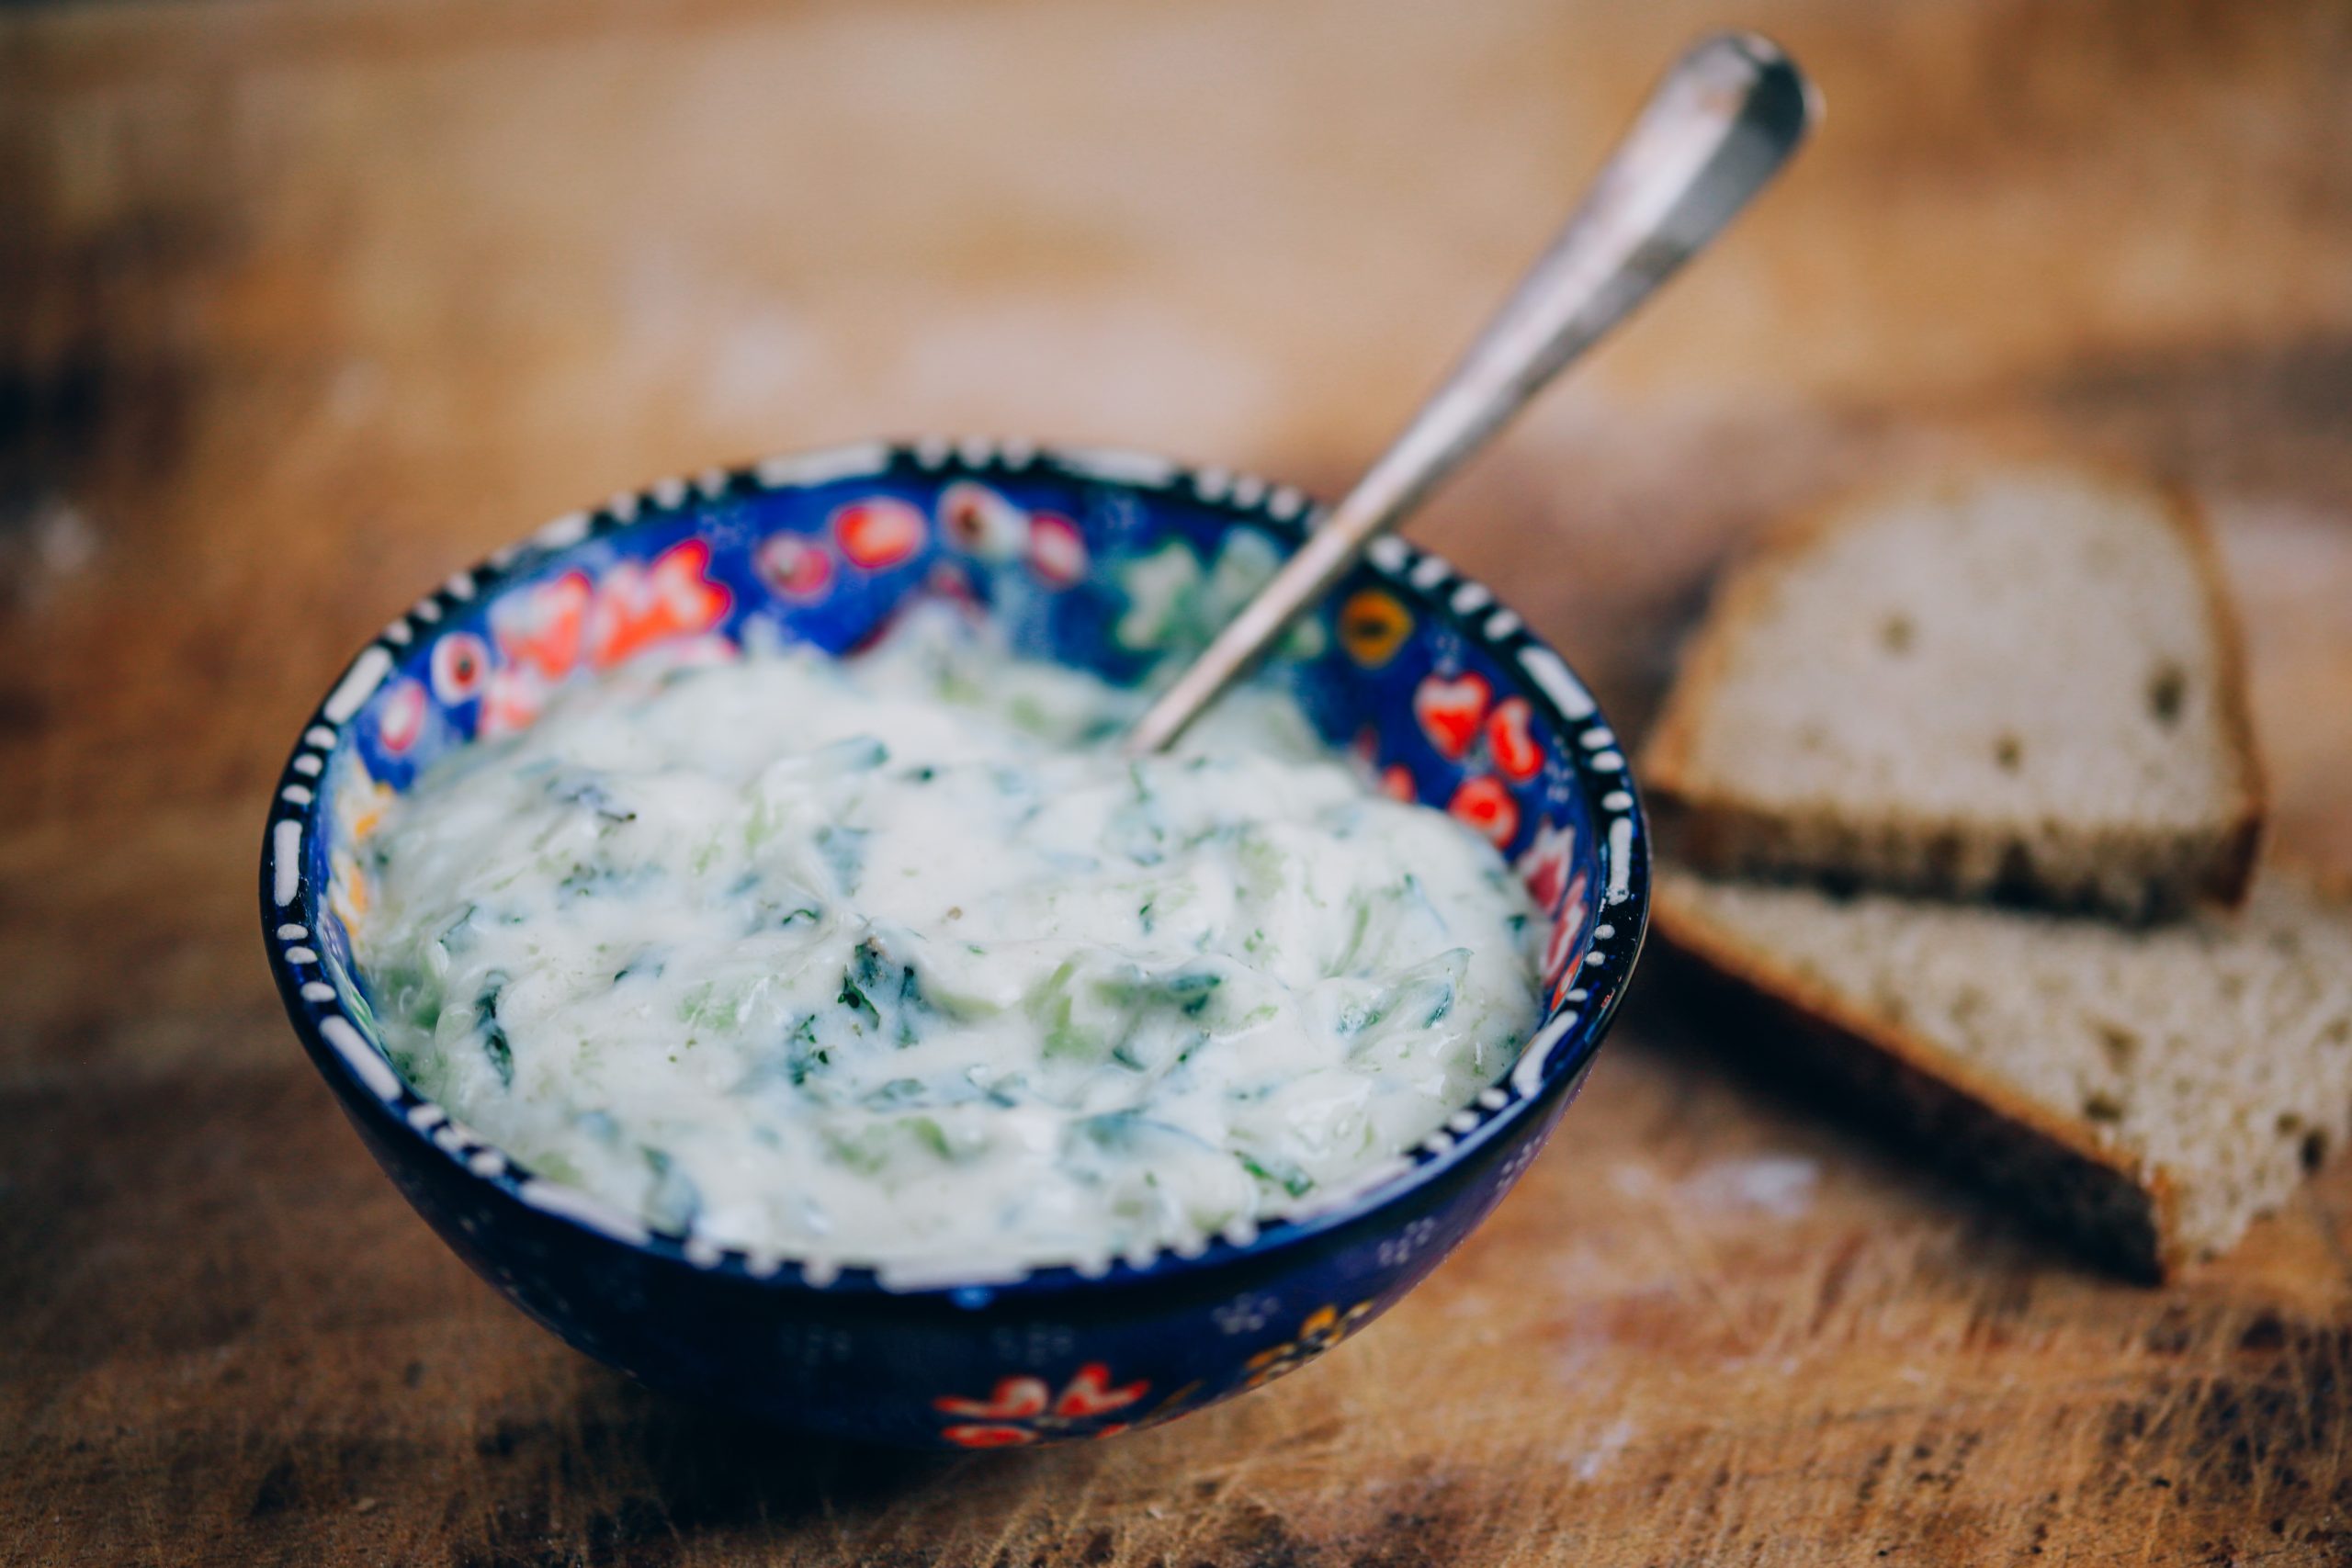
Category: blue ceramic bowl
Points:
column 1440, row 690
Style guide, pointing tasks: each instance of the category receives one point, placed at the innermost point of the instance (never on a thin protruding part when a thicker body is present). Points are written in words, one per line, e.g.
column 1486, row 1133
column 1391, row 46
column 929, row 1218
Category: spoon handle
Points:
column 1717, row 129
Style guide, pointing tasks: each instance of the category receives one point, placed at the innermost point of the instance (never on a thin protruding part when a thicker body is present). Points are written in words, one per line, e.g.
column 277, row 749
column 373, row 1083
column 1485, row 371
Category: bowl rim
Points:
column 1551, row 1062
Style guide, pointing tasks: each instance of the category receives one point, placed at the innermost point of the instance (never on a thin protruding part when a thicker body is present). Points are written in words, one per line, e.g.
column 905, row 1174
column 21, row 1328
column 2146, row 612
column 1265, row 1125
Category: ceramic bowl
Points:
column 1441, row 693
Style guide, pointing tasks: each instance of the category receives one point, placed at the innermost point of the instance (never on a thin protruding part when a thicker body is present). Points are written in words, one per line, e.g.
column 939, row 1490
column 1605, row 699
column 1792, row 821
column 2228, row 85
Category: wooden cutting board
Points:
column 304, row 305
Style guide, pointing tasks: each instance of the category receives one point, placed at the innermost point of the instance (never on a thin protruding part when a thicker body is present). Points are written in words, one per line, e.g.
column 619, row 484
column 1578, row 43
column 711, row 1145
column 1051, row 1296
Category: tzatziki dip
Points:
column 895, row 960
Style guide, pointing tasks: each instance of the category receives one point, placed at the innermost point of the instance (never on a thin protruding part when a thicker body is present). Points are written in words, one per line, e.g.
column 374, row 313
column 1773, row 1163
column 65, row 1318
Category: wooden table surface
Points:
column 304, row 305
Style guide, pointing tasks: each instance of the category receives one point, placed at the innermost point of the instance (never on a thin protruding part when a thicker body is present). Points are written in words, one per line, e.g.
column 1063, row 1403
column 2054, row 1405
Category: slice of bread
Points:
column 2017, row 682
column 2150, row 1090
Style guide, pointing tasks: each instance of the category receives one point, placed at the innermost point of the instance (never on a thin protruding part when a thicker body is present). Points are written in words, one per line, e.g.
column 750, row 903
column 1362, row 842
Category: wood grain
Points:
column 304, row 305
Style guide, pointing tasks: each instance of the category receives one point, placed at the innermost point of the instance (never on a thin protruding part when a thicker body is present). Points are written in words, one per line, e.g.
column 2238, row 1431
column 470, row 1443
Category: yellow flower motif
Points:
column 1324, row 1328
column 1372, row 626
column 363, row 807
column 347, row 893
column 359, row 803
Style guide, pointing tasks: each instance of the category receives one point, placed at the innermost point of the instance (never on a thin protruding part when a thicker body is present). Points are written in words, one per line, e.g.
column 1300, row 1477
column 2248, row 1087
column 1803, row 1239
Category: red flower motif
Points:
column 460, row 665
column 1057, row 549
column 1090, row 1393
column 1486, row 804
column 989, row 1436
column 1543, row 869
column 797, row 568
column 1397, row 783
column 639, row 607
column 1566, row 921
column 1025, row 1409
column 950, row 581
column 878, row 531
column 1450, row 710
column 511, row 700
column 542, row 626
column 402, row 718
column 1517, row 756
column 978, row 520
column 1015, row 1398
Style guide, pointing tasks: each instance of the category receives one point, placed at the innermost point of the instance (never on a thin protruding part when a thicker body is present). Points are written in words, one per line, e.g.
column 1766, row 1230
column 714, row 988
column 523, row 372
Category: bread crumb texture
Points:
column 2021, row 681
column 2212, row 1057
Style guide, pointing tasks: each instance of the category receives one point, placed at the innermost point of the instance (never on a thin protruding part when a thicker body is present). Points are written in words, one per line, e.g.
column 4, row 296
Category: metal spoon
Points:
column 1720, row 126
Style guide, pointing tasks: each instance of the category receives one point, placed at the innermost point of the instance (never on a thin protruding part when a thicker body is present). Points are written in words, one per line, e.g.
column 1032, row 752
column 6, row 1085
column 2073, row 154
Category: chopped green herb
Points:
column 1289, row 1178
column 856, row 1000
column 495, row 1044
column 704, row 1007
column 803, row 1057
column 929, row 1133
column 910, row 1002
column 1051, row 1006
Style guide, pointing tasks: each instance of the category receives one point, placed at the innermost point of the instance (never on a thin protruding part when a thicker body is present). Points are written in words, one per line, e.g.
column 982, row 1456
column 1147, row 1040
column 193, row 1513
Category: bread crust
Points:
column 2231, row 875
column 2139, row 876
column 2123, row 1212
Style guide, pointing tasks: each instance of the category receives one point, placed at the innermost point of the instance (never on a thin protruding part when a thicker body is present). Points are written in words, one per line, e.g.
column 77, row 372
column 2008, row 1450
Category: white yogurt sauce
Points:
column 896, row 961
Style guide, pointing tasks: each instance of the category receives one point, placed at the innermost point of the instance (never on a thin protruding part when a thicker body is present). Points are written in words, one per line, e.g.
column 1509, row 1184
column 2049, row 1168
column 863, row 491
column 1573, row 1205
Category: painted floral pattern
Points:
column 1372, row 624
column 796, row 569
column 399, row 719
column 1510, row 742
column 1494, row 742
column 1487, row 804
column 1324, row 1328
column 1548, row 871
column 460, row 665
column 1450, row 708
column 878, row 534
column 541, row 634
column 981, row 522
column 1025, row 1409
column 1546, row 866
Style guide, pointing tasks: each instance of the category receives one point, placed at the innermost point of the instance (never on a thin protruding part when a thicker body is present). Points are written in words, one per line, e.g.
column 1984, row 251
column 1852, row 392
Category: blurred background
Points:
column 302, row 306
column 326, row 299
